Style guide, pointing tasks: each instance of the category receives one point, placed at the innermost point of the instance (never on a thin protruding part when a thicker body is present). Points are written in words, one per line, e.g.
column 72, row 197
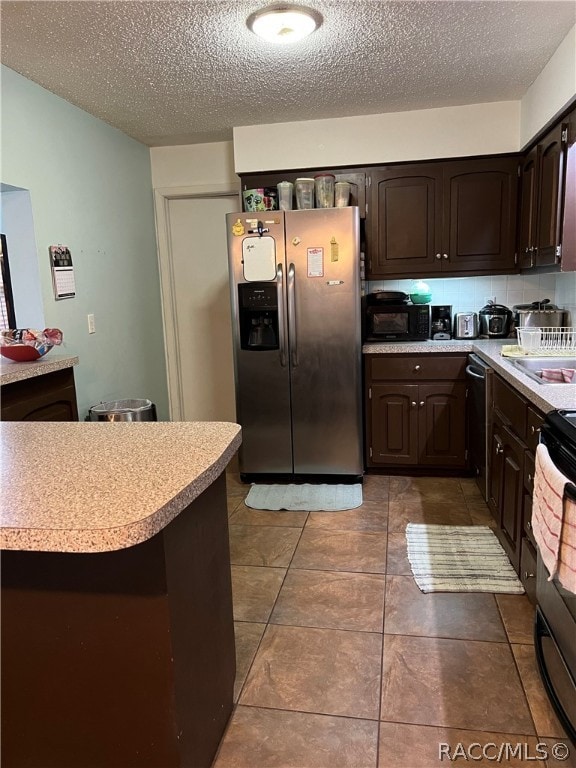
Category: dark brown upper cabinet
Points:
column 543, row 195
column 527, row 219
column 453, row 218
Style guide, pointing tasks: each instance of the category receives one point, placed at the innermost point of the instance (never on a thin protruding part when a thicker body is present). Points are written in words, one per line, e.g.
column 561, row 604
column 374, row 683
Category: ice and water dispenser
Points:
column 258, row 303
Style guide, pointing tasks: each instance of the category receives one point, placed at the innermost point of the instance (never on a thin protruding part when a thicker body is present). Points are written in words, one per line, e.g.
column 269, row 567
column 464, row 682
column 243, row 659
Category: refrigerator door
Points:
column 262, row 375
column 323, row 265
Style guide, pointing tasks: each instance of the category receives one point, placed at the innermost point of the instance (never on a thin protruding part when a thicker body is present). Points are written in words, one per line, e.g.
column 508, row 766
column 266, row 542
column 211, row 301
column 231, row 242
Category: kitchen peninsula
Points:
column 117, row 631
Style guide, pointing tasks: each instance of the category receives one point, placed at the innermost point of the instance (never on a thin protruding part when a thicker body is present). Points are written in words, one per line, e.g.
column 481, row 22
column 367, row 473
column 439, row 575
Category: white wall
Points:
column 194, row 165
column 90, row 187
column 552, row 90
column 474, row 129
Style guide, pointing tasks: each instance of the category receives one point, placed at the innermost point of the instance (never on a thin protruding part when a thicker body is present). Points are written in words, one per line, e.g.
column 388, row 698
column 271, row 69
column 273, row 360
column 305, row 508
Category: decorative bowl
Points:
column 420, row 298
column 23, row 353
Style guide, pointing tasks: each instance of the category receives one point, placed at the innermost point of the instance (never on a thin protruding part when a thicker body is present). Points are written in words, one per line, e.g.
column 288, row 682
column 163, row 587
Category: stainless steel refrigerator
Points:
column 295, row 293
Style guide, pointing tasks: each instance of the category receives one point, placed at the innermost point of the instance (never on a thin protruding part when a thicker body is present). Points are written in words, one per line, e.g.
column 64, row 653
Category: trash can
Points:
column 124, row 410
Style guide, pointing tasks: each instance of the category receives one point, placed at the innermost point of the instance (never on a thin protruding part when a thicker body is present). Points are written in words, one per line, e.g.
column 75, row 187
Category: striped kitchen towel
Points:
column 548, row 508
column 567, row 554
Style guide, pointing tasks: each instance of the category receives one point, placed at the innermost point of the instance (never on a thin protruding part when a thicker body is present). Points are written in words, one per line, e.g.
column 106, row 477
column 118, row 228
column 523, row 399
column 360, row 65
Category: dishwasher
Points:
column 479, row 377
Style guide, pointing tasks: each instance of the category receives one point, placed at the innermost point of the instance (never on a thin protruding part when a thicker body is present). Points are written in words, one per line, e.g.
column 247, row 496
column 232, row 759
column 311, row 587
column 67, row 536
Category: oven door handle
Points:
column 471, row 371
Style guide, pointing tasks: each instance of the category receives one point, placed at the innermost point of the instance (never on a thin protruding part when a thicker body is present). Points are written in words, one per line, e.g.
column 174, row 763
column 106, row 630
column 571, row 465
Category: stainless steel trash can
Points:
column 124, row 410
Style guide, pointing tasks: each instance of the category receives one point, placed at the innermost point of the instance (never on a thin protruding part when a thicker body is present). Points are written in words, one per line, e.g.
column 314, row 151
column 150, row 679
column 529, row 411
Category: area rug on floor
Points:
column 459, row 558
column 306, row 497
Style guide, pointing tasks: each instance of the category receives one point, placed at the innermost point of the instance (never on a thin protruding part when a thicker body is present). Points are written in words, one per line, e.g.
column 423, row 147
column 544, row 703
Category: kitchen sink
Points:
column 532, row 366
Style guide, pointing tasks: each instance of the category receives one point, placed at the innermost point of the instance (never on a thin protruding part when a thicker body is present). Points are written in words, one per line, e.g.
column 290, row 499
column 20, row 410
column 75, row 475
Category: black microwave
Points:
column 397, row 322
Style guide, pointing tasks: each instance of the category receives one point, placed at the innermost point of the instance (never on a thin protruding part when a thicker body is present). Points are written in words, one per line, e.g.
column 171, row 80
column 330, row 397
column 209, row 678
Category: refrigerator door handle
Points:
column 281, row 318
column 292, row 314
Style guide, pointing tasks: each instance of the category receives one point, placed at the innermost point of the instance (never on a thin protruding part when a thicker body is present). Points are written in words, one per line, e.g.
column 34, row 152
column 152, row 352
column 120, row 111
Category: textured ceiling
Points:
column 168, row 72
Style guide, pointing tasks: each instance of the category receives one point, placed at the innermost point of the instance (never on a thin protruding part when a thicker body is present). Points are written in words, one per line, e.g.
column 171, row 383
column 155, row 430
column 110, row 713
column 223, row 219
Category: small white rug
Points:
column 305, row 497
column 459, row 558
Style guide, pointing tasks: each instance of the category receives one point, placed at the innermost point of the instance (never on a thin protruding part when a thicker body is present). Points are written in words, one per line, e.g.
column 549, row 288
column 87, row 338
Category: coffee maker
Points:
column 441, row 322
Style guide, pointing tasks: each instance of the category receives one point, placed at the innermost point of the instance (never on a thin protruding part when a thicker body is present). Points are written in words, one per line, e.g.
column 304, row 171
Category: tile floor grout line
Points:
column 271, row 611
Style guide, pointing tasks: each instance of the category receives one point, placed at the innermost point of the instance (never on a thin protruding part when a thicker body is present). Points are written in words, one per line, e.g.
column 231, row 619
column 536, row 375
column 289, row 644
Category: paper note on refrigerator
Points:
column 259, row 258
column 315, row 262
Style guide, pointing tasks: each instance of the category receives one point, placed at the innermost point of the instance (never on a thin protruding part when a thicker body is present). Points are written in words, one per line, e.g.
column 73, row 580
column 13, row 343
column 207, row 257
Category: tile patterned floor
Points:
column 343, row 663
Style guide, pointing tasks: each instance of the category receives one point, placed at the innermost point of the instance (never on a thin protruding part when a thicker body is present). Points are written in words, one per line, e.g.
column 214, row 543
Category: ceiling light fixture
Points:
column 284, row 24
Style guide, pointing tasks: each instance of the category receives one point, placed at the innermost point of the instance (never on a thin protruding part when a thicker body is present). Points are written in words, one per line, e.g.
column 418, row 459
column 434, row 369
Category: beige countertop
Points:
column 546, row 397
column 97, row 487
column 11, row 371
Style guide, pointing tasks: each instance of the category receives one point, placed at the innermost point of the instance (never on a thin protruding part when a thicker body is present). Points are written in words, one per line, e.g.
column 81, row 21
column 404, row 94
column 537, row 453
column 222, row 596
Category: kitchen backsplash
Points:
column 466, row 294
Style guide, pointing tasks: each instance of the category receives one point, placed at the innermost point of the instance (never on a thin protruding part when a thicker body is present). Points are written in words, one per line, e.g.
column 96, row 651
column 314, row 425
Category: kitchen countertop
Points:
column 11, row 372
column 546, row 397
column 98, row 487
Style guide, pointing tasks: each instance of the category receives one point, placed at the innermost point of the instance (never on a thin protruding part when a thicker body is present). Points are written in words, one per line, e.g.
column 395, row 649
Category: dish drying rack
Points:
column 552, row 342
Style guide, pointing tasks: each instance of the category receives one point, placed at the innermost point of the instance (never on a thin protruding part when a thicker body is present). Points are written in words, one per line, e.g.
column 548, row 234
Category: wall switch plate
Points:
column 91, row 324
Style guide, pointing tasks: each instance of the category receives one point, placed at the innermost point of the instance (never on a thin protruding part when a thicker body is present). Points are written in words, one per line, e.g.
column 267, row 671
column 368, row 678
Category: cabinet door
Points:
column 528, row 208
column 512, row 496
column 442, row 424
column 569, row 223
column 495, row 468
column 480, row 215
column 550, row 197
column 406, row 217
column 393, row 424
column 49, row 397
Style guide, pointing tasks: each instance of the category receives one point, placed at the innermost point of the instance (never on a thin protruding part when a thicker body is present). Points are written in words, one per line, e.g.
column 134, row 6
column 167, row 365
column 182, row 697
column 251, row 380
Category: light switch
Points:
column 91, row 324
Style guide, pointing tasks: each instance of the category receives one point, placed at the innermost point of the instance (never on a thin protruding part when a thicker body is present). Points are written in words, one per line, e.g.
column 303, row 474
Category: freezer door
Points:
column 262, row 375
column 322, row 259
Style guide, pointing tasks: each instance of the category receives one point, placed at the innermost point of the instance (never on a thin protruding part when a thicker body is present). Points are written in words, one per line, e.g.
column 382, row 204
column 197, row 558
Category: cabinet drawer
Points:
column 511, row 405
column 416, row 368
column 534, row 421
column 528, row 569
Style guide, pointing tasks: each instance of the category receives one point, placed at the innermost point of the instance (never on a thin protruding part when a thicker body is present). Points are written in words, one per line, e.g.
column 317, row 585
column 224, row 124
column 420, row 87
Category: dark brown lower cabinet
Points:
column 394, row 426
column 415, row 424
column 48, row 397
column 514, row 437
column 125, row 658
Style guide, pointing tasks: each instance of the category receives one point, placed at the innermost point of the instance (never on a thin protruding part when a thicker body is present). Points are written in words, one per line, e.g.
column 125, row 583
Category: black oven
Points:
column 555, row 633
column 397, row 322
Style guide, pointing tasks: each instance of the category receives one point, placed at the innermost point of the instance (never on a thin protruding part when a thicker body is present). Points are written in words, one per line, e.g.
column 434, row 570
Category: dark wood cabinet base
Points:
column 124, row 658
column 47, row 397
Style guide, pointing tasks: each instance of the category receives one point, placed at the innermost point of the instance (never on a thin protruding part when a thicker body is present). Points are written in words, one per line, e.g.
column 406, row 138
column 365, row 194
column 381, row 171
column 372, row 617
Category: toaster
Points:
column 465, row 325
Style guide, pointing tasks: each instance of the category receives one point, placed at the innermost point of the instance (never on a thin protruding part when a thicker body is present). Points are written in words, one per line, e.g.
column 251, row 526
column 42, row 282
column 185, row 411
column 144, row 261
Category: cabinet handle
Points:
column 529, row 575
column 416, row 368
column 413, row 404
column 529, row 525
column 499, row 448
column 438, row 256
column 529, row 477
column 421, row 403
column 445, row 256
column 534, row 430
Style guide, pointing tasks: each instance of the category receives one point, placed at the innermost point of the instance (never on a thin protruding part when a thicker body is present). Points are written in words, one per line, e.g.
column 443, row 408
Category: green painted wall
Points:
column 91, row 189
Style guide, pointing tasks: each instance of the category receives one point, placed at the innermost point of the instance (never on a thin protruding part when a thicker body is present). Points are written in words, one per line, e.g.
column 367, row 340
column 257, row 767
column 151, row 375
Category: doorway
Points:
column 196, row 305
